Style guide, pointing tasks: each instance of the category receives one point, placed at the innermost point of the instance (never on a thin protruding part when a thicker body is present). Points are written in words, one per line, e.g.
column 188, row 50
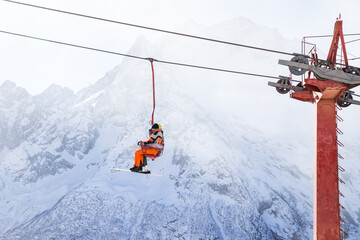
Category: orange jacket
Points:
column 157, row 136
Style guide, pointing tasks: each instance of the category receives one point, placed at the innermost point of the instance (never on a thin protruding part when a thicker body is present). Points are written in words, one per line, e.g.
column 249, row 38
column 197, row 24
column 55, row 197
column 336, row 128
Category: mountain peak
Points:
column 55, row 89
column 54, row 96
column 140, row 47
column 8, row 85
column 10, row 93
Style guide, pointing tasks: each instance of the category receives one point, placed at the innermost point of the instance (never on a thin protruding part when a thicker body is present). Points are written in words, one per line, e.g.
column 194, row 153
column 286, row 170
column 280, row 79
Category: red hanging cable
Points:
column 153, row 81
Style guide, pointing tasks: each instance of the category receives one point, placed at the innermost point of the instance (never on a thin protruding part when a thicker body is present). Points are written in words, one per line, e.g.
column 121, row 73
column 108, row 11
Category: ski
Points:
column 127, row 170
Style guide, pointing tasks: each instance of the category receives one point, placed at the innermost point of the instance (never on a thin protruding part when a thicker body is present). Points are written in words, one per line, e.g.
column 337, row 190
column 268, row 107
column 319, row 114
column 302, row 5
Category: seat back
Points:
column 158, row 147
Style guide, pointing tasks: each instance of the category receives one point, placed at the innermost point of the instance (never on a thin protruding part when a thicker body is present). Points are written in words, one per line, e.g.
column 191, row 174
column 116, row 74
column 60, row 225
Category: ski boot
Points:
column 136, row 169
column 145, row 170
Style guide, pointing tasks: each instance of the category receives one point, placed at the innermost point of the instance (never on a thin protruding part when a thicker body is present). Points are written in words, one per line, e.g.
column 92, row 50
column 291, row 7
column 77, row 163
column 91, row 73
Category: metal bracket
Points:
column 334, row 75
column 286, row 86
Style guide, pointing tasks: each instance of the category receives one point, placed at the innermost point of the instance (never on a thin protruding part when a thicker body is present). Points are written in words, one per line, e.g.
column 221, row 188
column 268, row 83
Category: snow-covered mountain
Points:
column 238, row 157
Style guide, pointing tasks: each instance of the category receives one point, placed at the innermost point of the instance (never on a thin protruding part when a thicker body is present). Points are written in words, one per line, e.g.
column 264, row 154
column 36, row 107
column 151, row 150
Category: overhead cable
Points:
column 70, row 44
column 355, row 40
column 138, row 57
column 150, row 28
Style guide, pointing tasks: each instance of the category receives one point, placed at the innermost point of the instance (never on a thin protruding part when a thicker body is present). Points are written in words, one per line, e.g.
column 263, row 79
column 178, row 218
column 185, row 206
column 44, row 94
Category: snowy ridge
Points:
column 232, row 168
column 92, row 97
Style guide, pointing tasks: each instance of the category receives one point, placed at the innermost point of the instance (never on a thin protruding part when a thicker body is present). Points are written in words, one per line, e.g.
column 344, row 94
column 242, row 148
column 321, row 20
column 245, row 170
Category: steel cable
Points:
column 150, row 28
column 138, row 57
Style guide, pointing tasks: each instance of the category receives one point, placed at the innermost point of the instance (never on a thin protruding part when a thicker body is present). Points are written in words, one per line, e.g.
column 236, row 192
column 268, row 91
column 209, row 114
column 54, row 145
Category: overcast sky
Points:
column 35, row 65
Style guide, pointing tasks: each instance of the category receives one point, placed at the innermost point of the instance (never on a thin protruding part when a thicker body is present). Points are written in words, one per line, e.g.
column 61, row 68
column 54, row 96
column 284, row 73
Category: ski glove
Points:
column 139, row 143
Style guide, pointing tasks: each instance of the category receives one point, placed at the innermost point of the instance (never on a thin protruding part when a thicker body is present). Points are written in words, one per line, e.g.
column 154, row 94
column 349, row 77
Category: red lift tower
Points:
column 328, row 89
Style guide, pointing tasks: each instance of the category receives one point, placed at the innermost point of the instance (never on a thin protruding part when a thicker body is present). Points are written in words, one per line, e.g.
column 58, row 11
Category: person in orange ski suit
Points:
column 155, row 136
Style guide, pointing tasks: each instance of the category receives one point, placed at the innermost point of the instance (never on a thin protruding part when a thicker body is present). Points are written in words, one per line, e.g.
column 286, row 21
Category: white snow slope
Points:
column 238, row 159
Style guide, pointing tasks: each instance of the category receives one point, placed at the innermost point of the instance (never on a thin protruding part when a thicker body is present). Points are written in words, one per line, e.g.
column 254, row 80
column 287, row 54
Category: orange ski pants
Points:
column 139, row 155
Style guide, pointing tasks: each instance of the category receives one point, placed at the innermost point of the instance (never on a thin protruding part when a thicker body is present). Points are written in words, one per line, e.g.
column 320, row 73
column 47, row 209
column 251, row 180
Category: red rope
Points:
column 153, row 81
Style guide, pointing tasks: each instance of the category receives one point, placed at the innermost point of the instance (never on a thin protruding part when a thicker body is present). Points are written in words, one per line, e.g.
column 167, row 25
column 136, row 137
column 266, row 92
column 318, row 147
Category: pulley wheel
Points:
column 323, row 64
column 283, row 90
column 353, row 71
column 298, row 71
column 342, row 101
